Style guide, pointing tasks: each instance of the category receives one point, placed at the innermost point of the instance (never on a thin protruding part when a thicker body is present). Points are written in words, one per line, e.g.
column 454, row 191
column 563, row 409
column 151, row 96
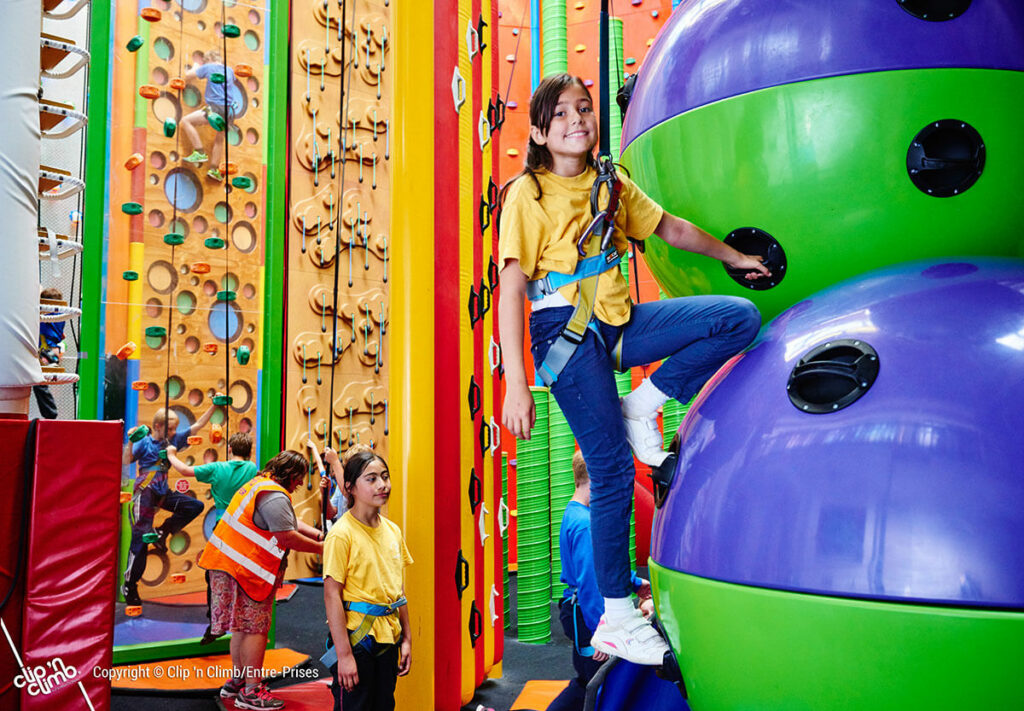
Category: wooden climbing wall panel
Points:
column 337, row 236
column 194, row 308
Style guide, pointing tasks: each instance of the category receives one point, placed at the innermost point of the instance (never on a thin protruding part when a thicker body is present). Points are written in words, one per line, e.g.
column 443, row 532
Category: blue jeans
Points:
column 697, row 334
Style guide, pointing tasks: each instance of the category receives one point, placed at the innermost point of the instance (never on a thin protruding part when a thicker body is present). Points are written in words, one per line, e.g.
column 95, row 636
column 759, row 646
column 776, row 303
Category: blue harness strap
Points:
column 587, row 651
column 360, row 637
column 537, row 289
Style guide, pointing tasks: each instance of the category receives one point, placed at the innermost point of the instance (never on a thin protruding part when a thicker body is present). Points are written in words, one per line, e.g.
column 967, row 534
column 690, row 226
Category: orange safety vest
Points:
column 242, row 549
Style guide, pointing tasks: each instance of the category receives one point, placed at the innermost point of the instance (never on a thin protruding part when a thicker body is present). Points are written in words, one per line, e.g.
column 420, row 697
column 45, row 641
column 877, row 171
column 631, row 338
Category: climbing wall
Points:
column 337, row 298
column 185, row 285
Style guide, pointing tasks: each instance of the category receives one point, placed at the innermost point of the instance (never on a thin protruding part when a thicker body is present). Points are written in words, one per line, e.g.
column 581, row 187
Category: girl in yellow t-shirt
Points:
column 545, row 210
column 364, row 592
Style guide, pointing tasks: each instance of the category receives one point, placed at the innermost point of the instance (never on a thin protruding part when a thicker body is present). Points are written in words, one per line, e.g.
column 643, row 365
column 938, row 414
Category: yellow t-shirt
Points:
column 369, row 563
column 542, row 234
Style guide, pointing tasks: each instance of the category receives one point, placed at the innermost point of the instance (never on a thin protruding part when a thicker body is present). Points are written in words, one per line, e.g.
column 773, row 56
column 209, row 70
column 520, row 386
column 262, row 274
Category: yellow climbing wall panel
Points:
column 338, row 222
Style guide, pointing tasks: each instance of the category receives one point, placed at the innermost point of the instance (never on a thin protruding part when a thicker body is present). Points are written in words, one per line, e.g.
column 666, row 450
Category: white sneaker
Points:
column 634, row 640
column 645, row 439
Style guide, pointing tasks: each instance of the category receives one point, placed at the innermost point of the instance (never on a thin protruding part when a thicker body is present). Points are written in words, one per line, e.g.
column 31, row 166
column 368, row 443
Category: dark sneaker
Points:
column 232, row 688
column 209, row 637
column 131, row 596
column 257, row 697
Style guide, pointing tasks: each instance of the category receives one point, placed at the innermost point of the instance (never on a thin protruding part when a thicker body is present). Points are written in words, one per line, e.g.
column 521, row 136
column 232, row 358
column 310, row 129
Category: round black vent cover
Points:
column 756, row 242
column 832, row 376
column 945, row 158
column 935, row 10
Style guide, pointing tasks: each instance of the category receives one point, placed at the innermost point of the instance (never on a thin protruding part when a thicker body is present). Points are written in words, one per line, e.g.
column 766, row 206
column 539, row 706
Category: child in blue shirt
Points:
column 222, row 98
column 51, row 349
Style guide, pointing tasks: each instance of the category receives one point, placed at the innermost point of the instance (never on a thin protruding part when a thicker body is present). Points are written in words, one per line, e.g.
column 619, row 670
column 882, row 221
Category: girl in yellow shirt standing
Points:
column 545, row 213
column 364, row 592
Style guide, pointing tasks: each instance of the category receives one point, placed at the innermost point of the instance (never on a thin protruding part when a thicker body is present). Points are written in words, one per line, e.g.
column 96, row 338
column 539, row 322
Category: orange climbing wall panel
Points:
column 177, row 289
column 337, row 233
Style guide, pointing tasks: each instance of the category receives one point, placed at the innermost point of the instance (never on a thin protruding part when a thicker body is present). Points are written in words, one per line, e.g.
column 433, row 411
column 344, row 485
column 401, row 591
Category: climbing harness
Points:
column 599, row 255
column 587, row 651
column 360, row 636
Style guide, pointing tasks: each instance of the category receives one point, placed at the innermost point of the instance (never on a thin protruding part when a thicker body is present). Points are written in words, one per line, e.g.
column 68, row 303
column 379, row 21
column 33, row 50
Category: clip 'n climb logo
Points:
column 43, row 679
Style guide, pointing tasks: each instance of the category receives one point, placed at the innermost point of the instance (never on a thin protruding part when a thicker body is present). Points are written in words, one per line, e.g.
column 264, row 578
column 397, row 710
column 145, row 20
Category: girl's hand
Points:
column 404, row 657
column 752, row 265
column 600, row 656
column 348, row 674
column 325, row 481
column 518, row 413
column 330, row 456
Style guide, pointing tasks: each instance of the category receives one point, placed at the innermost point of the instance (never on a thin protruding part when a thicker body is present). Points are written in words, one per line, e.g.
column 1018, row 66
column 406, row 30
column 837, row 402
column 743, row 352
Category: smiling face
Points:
column 572, row 132
column 373, row 486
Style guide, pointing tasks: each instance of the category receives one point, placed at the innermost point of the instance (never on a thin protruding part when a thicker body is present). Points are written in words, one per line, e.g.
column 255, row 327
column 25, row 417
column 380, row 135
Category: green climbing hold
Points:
column 214, row 243
column 130, row 275
column 155, row 331
column 153, row 537
column 216, row 120
column 140, row 432
column 230, row 31
column 170, row 126
column 135, row 43
column 174, row 238
column 131, row 208
column 242, row 182
column 162, row 454
column 218, row 78
column 222, row 400
column 226, row 295
column 243, row 354
column 630, row 61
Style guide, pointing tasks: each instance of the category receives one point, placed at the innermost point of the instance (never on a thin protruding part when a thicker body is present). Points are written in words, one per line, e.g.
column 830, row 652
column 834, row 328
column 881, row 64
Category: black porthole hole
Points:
column 757, row 243
column 832, row 376
column 935, row 10
column 946, row 158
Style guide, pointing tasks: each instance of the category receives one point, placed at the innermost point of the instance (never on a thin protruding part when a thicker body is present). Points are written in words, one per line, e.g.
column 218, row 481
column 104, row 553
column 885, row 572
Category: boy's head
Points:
column 52, row 294
column 580, row 477
column 288, row 469
column 164, row 422
column 212, row 56
column 240, row 444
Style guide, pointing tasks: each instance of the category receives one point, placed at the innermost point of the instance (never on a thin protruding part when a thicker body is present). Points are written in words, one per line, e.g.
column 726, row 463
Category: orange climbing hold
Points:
column 200, row 268
column 133, row 610
column 134, row 161
column 210, row 348
column 243, row 70
column 126, row 350
column 125, row 497
column 139, row 385
column 177, row 83
column 151, row 14
column 216, row 433
column 177, row 578
column 230, row 168
column 148, row 91
column 194, row 439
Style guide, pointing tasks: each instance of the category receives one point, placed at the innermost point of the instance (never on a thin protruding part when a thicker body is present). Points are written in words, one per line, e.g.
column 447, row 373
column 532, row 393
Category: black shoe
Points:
column 160, row 544
column 131, row 596
column 209, row 637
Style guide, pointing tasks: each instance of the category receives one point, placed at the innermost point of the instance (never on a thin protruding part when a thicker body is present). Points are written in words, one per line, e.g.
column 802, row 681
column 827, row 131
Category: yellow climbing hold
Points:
column 580, row 48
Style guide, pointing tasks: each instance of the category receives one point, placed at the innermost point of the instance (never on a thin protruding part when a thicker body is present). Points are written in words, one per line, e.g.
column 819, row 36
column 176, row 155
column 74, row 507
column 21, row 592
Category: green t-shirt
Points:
column 225, row 478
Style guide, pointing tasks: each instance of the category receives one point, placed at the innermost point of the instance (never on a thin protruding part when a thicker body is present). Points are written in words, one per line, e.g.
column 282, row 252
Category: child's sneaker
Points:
column 232, row 688
column 131, row 595
column 197, row 156
column 215, row 174
column 644, row 438
column 633, row 639
column 257, row 697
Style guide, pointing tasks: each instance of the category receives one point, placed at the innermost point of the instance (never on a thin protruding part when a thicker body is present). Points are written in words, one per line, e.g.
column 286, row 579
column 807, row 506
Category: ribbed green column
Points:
column 504, row 544
column 561, row 447
column 616, row 70
column 533, row 599
column 555, row 56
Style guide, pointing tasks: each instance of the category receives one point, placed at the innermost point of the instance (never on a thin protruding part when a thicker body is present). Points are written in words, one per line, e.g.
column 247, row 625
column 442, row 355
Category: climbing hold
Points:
column 650, row 41
column 139, row 385
column 215, row 119
column 140, row 432
column 226, row 295
column 630, row 61
column 194, row 439
column 135, row 43
column 177, row 83
column 134, row 161
column 512, row 152
column 588, row 82
column 163, row 455
column 512, row 105
column 515, row 31
column 214, row 242
column 229, row 168
column 125, row 497
column 150, row 14
column 174, row 238
column 580, row 48
column 131, row 208
column 216, row 433
column 230, row 31
column 126, row 350
column 200, row 268
column 133, row 610
column 243, row 70
column 242, row 182
column 218, row 78
column 510, row 58
column 155, row 332
column 637, row 2
column 177, row 577
column 148, row 91
column 242, row 355
column 654, row 14
column 170, row 126
column 210, row 348
column 221, row 400
column 130, row 275
column 580, row 5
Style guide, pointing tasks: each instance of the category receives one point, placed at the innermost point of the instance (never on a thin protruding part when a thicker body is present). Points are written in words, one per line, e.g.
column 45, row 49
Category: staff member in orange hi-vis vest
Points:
column 246, row 557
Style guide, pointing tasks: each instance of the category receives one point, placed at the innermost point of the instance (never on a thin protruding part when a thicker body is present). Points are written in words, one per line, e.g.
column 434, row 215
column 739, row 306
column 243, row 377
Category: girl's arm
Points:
column 348, row 674
column 686, row 235
column 517, row 413
column 405, row 646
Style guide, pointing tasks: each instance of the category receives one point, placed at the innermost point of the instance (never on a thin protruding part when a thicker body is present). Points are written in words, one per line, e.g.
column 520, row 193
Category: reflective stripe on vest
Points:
column 242, row 549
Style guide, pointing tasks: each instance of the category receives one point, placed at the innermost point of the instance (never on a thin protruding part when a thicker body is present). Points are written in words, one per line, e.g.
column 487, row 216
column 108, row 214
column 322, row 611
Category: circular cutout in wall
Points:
column 241, row 396
column 252, row 40
column 183, row 189
column 199, row 224
column 193, row 5
column 186, row 302
column 156, row 218
column 166, row 106
column 158, row 160
column 192, row 344
column 160, row 76
column 164, row 49
column 222, row 212
column 191, row 96
column 243, row 237
column 152, row 391
column 195, row 397
column 162, row 277
column 225, row 320
column 175, row 387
